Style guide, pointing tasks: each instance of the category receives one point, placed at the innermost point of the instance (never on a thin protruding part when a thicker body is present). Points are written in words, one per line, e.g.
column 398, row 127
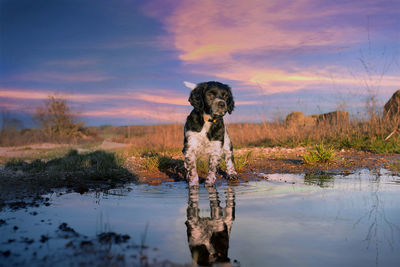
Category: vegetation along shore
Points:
column 63, row 153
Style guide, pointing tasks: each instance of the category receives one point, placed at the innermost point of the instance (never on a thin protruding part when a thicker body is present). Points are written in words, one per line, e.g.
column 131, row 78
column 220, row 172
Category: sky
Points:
column 123, row 62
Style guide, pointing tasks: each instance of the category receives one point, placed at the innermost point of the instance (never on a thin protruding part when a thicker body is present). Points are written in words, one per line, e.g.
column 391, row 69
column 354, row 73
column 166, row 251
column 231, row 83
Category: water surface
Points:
column 300, row 220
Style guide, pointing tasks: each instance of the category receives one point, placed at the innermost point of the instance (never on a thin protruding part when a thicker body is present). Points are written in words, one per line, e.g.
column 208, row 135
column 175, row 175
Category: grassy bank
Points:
column 357, row 134
column 148, row 153
column 79, row 171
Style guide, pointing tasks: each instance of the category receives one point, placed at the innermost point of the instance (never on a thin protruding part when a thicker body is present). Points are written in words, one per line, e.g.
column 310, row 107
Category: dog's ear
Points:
column 230, row 103
column 196, row 98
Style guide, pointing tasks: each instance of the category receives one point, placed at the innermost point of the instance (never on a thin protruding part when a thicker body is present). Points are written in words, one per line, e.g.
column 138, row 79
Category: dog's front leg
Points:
column 229, row 161
column 215, row 157
column 191, row 170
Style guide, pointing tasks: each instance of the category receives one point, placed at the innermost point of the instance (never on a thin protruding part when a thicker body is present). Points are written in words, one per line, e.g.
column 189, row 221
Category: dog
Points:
column 205, row 132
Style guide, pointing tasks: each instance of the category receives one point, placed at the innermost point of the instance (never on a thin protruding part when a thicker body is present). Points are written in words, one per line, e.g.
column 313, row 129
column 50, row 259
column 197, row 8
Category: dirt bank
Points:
column 270, row 160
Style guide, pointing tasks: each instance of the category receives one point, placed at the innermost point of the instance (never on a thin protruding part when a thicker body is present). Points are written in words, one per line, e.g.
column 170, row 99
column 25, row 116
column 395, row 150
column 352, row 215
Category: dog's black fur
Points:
column 200, row 100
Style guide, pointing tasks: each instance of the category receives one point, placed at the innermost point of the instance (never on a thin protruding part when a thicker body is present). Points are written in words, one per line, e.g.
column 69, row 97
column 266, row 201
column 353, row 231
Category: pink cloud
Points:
column 64, row 77
column 214, row 37
column 157, row 96
column 160, row 114
column 204, row 30
column 271, row 80
column 21, row 94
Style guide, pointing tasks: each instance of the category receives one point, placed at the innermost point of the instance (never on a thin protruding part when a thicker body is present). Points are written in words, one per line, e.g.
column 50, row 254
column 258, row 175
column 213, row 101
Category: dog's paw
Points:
column 232, row 177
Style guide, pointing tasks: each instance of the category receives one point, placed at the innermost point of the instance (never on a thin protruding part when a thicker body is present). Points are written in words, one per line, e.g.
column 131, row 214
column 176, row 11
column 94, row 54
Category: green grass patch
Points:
column 240, row 161
column 93, row 165
column 153, row 161
column 378, row 145
column 320, row 154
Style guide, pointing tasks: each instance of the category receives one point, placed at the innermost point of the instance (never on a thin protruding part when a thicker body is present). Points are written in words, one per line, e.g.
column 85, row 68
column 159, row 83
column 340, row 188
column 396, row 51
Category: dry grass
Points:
column 359, row 134
column 154, row 137
column 13, row 137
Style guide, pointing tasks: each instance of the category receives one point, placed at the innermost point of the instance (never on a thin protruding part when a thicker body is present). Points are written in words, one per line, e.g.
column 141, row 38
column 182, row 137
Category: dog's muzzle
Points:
column 219, row 107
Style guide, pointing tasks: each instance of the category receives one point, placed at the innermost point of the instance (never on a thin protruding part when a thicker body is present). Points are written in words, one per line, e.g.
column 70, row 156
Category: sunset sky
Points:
column 124, row 61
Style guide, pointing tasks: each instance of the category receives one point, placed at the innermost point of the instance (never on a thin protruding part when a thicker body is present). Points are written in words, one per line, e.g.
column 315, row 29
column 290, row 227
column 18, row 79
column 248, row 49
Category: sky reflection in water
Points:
column 326, row 220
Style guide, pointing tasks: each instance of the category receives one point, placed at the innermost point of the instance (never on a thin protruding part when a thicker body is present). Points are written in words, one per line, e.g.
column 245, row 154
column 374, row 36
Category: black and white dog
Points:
column 205, row 132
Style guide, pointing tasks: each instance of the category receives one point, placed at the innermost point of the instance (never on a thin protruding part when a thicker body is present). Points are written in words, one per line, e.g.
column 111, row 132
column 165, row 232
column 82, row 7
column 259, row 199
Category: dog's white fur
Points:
column 189, row 85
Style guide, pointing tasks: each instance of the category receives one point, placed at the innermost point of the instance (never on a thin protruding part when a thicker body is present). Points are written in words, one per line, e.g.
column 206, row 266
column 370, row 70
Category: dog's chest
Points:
column 199, row 141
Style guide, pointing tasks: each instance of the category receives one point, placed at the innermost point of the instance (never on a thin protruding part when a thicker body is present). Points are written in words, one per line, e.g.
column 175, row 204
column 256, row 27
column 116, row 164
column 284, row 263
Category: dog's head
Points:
column 213, row 98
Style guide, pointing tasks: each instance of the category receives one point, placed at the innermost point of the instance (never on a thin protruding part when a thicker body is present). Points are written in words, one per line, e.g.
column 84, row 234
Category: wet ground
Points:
column 274, row 220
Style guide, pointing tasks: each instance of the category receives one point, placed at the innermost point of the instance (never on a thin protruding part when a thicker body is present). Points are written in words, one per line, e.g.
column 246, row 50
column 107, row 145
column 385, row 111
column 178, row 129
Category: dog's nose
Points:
column 221, row 104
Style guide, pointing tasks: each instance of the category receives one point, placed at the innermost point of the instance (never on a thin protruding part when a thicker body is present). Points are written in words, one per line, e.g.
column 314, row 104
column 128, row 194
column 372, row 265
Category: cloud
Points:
column 158, row 114
column 204, row 30
column 279, row 80
column 238, row 40
column 78, row 62
column 157, row 97
column 21, row 94
column 64, row 77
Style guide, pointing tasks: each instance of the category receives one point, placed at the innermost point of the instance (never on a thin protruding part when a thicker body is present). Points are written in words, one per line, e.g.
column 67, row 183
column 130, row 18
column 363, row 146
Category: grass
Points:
column 41, row 154
column 96, row 165
column 151, row 163
column 320, row 154
column 240, row 161
column 359, row 134
column 156, row 161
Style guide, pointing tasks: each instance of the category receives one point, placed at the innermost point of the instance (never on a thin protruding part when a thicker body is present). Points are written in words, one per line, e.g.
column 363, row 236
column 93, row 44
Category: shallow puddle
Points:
column 285, row 220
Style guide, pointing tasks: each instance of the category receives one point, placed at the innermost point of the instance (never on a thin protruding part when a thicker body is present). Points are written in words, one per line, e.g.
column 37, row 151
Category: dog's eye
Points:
column 211, row 95
column 225, row 96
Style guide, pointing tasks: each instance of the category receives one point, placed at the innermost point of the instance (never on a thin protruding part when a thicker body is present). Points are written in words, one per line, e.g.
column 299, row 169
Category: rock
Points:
column 66, row 229
column 333, row 118
column 111, row 237
column 392, row 107
column 298, row 119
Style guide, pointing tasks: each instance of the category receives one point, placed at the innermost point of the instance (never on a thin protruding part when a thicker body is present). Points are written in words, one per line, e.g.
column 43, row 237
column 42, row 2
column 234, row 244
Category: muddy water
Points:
column 286, row 220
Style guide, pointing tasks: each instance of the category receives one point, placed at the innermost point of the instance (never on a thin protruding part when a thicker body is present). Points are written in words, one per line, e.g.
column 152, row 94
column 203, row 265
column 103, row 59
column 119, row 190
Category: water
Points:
column 308, row 220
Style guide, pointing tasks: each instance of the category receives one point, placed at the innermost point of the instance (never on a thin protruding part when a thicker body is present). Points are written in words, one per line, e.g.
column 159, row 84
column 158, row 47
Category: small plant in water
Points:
column 320, row 154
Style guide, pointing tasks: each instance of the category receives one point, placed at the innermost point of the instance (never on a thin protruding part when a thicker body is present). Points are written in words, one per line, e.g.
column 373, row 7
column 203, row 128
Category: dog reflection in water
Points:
column 208, row 237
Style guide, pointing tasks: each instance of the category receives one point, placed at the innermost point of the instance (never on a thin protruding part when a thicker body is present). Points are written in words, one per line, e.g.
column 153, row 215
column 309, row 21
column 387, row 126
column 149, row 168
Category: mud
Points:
column 104, row 249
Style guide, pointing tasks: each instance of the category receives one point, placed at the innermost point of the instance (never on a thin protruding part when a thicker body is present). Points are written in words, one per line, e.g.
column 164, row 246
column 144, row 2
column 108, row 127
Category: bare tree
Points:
column 57, row 119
